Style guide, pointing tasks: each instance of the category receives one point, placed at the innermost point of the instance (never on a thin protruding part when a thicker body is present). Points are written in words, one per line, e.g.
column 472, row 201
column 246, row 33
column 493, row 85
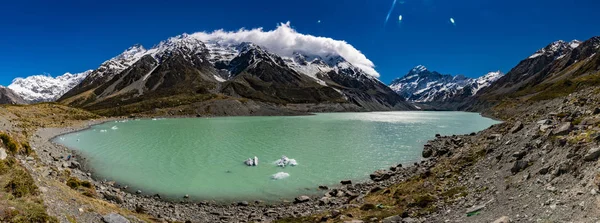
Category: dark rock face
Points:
column 8, row 96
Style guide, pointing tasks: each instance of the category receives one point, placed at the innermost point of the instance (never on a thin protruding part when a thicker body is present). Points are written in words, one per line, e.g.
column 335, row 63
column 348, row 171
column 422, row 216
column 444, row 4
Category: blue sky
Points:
column 54, row 37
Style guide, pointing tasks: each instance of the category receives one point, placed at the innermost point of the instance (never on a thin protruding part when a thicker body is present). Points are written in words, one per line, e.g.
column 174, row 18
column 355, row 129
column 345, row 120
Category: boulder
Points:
column 393, row 219
column 545, row 128
column 243, row 203
column 494, row 137
column 518, row 126
column 544, row 122
column 380, row 175
column 323, row 187
column 114, row 218
column 427, row 152
column 503, row 219
column 596, row 111
column 3, row 154
column 336, row 193
column 114, row 198
column 346, row 182
column 431, row 151
column 592, row 154
column 301, row 199
column 563, row 129
column 324, row 201
column 74, row 165
column 519, row 155
column 518, row 166
column 544, row 170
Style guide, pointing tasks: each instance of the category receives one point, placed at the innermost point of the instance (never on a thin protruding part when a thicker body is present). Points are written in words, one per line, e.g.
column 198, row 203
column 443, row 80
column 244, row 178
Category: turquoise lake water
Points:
column 203, row 157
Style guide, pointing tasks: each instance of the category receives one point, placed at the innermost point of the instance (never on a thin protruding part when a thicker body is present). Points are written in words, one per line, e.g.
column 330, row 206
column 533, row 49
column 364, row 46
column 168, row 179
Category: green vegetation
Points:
column 32, row 213
column 21, row 184
column 85, row 187
column 21, row 193
column 9, row 143
column 559, row 88
column 148, row 105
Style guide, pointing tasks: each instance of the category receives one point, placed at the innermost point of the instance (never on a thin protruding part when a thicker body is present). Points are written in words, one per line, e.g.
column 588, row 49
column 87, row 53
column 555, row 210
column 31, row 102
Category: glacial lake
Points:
column 204, row 157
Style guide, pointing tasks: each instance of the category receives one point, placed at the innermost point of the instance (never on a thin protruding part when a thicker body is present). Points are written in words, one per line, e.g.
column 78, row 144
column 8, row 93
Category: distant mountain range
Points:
column 420, row 85
column 190, row 74
column 44, row 88
column 209, row 76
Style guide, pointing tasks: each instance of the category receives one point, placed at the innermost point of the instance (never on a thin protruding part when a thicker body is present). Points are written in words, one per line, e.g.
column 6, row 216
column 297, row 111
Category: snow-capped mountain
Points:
column 45, row 88
column 557, row 49
column 421, row 85
column 297, row 68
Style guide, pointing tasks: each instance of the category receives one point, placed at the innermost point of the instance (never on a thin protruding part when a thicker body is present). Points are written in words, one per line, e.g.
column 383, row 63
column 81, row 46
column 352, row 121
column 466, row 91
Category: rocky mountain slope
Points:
column 8, row 96
column 431, row 88
column 555, row 70
column 44, row 88
column 189, row 71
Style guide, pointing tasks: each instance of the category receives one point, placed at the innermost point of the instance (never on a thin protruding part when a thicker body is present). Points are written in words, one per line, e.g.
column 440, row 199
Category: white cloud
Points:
column 284, row 41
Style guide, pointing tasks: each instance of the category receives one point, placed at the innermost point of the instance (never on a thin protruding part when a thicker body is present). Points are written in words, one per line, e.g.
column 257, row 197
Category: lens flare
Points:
column 390, row 12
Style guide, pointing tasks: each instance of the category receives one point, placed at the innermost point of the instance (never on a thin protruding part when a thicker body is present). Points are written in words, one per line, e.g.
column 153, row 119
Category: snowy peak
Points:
column 184, row 44
column 486, row 80
column 418, row 69
column 422, row 85
column 131, row 52
column 556, row 49
column 45, row 88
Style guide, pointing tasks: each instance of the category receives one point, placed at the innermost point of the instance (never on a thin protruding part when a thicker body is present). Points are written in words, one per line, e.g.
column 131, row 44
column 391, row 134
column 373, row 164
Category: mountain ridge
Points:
column 194, row 65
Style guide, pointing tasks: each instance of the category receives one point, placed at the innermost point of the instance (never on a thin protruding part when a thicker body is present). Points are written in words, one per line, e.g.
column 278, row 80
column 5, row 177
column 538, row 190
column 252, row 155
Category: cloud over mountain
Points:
column 285, row 41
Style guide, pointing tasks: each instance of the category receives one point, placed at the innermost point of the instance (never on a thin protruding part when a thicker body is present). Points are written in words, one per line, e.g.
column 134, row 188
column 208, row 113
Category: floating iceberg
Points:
column 252, row 162
column 280, row 175
column 114, row 127
column 103, row 130
column 285, row 161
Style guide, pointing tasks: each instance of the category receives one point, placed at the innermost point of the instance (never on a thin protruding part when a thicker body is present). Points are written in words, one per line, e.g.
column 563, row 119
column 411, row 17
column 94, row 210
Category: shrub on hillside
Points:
column 21, row 184
column 9, row 143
